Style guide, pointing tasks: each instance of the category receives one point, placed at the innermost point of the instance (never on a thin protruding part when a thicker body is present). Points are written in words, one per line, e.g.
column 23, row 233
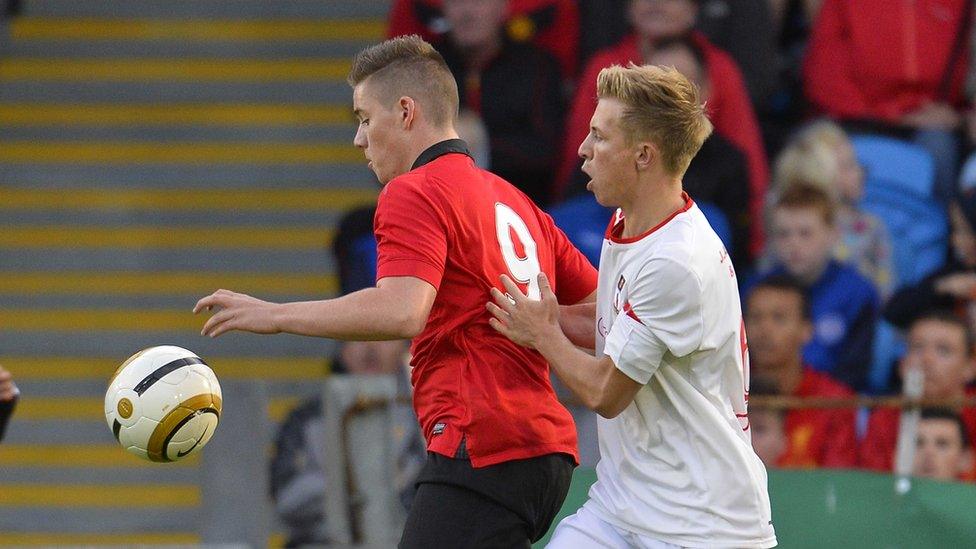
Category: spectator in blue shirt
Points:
column 844, row 304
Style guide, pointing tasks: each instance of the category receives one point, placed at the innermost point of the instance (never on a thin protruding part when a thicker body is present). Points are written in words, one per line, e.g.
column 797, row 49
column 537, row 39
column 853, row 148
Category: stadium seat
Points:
column 719, row 222
column 898, row 189
column 896, row 162
column 584, row 221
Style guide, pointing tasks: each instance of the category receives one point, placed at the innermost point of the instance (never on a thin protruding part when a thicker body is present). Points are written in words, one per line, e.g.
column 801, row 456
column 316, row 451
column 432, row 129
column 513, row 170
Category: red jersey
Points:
column 550, row 24
column 878, row 59
column 729, row 109
column 877, row 450
column 819, row 438
column 460, row 228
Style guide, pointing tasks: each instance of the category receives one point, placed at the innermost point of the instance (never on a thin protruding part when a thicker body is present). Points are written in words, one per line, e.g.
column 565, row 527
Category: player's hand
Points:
column 237, row 312
column 525, row 321
column 8, row 389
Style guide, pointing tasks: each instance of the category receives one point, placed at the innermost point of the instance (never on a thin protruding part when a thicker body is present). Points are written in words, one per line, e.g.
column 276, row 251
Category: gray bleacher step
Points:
column 148, row 259
column 96, row 301
column 160, row 473
column 188, row 176
column 29, row 431
column 124, row 343
column 99, row 520
column 322, row 134
column 331, row 92
column 204, row 9
column 203, row 217
column 95, row 388
column 108, row 49
column 56, row 432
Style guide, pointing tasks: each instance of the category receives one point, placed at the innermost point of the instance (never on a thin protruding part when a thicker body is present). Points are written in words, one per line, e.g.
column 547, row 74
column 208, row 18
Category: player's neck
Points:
column 645, row 211
column 427, row 138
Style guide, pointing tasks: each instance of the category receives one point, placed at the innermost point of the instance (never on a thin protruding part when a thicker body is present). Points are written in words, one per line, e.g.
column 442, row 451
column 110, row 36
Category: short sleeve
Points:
column 634, row 350
column 411, row 236
column 662, row 313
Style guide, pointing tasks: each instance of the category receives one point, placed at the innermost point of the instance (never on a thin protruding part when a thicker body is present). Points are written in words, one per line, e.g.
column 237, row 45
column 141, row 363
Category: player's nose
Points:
column 360, row 139
column 584, row 149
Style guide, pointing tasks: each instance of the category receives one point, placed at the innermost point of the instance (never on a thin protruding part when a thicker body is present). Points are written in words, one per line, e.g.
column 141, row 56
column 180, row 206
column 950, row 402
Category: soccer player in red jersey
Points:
column 501, row 448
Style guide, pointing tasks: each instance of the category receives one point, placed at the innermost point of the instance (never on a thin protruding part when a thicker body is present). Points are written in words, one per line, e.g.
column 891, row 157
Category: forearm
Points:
column 371, row 314
column 577, row 323
column 581, row 372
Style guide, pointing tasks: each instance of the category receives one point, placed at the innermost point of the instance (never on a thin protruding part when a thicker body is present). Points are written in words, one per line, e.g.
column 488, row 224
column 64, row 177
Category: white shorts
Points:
column 584, row 530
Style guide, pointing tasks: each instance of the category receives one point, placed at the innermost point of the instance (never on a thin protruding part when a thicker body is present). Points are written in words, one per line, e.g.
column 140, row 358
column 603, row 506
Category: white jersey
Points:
column 677, row 465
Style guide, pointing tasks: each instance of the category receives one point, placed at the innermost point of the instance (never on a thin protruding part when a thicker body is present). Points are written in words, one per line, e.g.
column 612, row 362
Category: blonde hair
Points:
column 661, row 106
column 810, row 158
column 808, row 163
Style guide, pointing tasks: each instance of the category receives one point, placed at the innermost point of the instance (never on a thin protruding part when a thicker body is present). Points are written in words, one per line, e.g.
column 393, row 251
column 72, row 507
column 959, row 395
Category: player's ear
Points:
column 407, row 112
column 645, row 155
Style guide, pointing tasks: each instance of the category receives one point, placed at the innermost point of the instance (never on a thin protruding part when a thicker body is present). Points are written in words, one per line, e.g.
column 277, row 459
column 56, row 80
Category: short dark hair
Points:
column 407, row 65
column 786, row 283
column 807, row 196
column 949, row 415
column 948, row 317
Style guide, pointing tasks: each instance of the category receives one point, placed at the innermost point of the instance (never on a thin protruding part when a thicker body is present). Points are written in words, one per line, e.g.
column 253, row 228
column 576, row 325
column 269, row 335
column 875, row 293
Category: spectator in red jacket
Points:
column 778, row 323
column 550, row 24
column 516, row 89
column 900, row 65
column 943, row 347
column 729, row 107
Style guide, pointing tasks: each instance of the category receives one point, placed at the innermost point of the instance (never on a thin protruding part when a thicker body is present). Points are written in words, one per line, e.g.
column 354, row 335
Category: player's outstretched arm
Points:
column 397, row 308
column 535, row 324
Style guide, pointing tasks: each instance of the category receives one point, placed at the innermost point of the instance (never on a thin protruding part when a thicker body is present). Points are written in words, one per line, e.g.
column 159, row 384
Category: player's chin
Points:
column 598, row 195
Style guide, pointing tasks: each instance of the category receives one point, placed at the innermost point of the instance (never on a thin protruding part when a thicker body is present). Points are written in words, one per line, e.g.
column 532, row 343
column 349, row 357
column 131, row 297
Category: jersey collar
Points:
column 440, row 149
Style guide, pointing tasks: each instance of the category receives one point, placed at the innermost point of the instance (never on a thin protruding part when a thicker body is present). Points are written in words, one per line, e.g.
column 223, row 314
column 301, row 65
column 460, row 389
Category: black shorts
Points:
column 510, row 504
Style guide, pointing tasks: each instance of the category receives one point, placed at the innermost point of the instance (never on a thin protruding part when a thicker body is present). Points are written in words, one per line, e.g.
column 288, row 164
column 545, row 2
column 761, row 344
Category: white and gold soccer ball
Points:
column 163, row 403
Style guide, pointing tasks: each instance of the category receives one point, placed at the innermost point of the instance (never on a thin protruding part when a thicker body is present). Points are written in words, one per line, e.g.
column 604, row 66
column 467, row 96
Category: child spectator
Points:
column 821, row 154
column 844, row 304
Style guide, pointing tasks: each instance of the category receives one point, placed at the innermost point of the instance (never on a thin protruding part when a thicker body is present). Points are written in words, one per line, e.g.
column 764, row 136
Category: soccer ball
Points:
column 163, row 403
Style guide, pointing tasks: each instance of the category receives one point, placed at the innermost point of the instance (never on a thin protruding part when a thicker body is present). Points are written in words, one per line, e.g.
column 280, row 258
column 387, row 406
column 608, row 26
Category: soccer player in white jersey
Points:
column 669, row 374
